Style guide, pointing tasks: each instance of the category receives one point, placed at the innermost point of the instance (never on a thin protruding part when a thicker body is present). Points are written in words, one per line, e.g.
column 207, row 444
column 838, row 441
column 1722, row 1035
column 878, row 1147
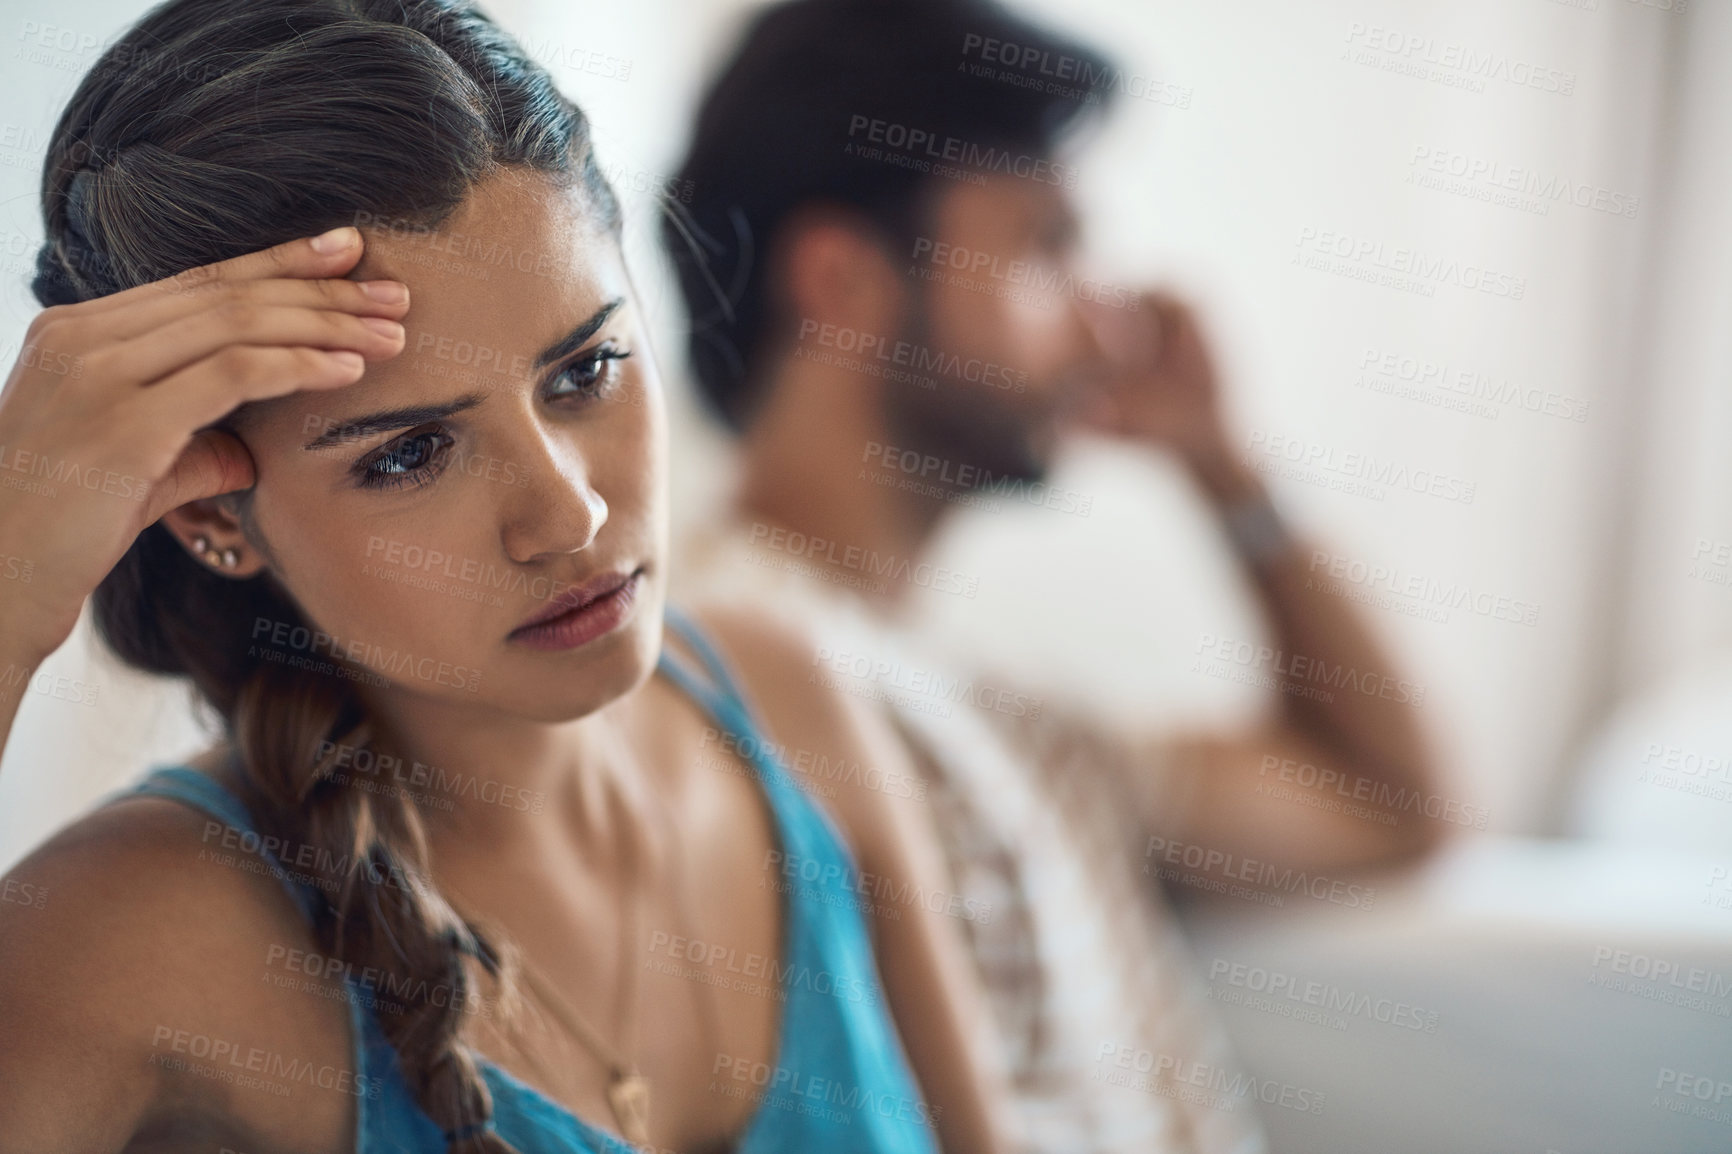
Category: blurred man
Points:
column 880, row 263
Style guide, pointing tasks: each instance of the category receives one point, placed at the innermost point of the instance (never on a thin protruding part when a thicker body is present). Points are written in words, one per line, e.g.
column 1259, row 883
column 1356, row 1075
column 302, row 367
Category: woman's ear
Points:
column 211, row 479
column 210, row 530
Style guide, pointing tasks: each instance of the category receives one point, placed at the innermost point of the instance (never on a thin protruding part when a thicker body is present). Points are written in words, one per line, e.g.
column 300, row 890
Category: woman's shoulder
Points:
column 136, row 886
column 813, row 724
column 133, row 861
column 771, row 659
column 140, row 939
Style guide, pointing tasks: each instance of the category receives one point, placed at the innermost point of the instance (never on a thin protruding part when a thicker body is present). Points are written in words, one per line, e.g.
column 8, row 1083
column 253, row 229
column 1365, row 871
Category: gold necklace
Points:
column 628, row 1091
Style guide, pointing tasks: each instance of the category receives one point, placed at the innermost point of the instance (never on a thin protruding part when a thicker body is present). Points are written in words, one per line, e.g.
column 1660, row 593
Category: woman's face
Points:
column 514, row 450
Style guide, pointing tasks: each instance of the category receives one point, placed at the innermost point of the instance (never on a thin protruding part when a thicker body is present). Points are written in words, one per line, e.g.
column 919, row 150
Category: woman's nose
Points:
column 556, row 510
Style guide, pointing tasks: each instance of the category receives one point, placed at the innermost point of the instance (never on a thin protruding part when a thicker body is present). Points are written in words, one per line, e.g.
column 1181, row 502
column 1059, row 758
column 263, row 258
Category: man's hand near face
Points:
column 1156, row 385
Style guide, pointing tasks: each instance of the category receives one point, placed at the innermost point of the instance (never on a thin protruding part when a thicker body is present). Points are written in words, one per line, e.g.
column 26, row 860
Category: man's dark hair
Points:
column 784, row 125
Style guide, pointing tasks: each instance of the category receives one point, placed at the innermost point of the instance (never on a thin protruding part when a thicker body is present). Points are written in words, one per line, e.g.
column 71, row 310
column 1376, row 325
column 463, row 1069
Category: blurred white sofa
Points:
column 1513, row 996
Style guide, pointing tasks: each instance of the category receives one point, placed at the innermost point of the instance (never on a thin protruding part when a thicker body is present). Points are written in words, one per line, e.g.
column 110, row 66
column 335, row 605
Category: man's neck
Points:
column 807, row 470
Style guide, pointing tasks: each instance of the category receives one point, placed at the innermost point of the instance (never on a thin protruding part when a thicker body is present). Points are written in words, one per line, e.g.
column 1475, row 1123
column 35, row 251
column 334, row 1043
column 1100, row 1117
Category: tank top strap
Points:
column 207, row 795
column 837, row 1032
column 721, row 686
column 801, row 821
column 681, row 624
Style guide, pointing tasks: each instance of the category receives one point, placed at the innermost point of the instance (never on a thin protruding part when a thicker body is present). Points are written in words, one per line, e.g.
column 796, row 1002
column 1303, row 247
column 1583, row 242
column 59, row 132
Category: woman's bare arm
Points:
column 136, row 996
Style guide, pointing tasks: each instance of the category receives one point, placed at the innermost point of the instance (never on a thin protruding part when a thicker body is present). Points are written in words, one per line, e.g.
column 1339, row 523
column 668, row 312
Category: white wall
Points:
column 1283, row 132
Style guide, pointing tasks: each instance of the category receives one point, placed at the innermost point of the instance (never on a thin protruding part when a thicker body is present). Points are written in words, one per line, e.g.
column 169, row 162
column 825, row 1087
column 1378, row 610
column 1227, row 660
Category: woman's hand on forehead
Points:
column 112, row 397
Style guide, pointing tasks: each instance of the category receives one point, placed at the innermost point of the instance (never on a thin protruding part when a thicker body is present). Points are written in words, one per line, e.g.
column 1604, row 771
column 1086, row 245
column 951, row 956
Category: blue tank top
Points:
column 839, row 1082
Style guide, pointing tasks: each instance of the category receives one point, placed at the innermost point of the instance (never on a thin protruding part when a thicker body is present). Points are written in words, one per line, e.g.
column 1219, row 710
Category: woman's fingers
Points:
column 213, row 463
column 210, row 389
column 330, row 255
column 111, row 396
column 157, row 355
column 382, row 298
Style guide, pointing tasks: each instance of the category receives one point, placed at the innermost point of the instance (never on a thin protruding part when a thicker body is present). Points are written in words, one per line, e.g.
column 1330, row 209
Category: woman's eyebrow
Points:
column 381, row 422
column 576, row 338
column 410, row 416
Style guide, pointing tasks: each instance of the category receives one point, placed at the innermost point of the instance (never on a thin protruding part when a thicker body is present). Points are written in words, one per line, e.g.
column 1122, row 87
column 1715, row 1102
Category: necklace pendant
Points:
column 628, row 1094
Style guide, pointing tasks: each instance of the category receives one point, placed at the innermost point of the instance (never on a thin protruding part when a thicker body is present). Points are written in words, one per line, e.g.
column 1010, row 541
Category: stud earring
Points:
column 227, row 558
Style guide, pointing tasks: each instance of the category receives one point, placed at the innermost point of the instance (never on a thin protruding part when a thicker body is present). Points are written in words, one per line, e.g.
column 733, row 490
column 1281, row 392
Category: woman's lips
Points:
column 594, row 611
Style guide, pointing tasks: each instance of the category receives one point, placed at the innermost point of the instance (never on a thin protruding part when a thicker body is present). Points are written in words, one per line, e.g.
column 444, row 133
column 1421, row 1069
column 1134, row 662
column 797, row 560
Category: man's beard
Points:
column 966, row 423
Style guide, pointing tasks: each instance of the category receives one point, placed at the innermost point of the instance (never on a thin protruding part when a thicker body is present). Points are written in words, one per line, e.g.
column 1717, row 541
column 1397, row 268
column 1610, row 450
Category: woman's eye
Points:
column 590, row 374
column 412, row 459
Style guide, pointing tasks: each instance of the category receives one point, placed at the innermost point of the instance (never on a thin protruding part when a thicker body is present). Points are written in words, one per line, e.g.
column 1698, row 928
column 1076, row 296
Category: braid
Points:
column 380, row 910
